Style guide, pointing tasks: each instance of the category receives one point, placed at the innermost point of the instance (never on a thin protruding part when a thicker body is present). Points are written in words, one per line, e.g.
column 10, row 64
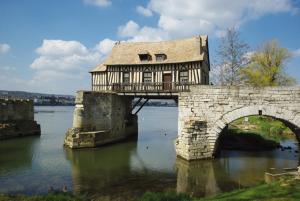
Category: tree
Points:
column 267, row 66
column 232, row 53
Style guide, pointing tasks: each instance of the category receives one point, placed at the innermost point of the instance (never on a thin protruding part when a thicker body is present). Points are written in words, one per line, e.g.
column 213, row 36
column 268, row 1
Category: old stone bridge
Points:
column 204, row 112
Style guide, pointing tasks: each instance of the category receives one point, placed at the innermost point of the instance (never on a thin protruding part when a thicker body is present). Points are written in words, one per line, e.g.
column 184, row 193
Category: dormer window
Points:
column 160, row 57
column 144, row 57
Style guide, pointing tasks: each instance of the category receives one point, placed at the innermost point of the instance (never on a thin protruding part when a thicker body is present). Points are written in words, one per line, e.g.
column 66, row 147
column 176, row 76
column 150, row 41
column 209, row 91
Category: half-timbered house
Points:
column 154, row 66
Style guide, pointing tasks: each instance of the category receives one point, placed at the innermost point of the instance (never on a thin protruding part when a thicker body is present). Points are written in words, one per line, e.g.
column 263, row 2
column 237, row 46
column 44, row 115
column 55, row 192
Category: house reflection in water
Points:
column 202, row 178
column 106, row 174
column 120, row 172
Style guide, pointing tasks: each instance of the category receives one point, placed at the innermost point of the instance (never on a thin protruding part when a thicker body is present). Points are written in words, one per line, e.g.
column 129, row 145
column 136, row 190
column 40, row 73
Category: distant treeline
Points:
column 39, row 99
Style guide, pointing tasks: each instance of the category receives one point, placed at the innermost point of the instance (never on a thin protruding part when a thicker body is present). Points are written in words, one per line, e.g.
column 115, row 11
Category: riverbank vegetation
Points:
column 267, row 127
column 255, row 133
column 285, row 189
column 267, row 66
column 48, row 197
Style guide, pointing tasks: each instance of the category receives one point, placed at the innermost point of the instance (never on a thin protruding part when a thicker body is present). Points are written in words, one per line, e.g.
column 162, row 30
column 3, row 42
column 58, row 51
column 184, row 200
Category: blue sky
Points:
column 50, row 45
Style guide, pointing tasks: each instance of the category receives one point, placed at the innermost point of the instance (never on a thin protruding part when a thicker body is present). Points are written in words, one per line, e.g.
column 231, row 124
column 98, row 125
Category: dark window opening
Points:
column 160, row 57
column 126, row 78
column 183, row 76
column 259, row 112
column 145, row 57
column 147, row 77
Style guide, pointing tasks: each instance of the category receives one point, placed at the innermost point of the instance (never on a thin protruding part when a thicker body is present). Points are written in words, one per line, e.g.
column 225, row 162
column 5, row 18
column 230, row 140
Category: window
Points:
column 161, row 57
column 183, row 76
column 126, row 78
column 145, row 57
column 147, row 77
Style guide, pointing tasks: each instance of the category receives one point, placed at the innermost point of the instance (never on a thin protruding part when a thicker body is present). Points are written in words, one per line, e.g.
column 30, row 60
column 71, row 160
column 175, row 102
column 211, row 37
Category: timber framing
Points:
column 156, row 67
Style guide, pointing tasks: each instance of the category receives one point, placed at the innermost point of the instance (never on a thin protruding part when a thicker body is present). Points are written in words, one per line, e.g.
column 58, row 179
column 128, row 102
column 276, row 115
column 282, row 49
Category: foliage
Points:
column 169, row 196
column 231, row 56
column 266, row 67
column 285, row 189
column 49, row 197
column 267, row 127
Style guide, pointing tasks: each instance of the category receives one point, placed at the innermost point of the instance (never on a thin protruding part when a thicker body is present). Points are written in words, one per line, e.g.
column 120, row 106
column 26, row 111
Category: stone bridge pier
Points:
column 100, row 118
column 206, row 111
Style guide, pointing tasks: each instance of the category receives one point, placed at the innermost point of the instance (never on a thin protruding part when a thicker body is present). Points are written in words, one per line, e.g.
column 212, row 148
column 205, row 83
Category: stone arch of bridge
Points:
column 290, row 118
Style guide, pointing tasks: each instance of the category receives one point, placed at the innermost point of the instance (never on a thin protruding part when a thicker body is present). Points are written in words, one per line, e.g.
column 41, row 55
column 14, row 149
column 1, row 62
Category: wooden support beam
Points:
column 141, row 106
column 136, row 104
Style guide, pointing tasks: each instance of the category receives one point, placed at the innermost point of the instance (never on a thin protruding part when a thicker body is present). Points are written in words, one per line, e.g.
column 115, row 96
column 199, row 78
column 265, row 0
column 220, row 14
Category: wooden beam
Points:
column 133, row 107
column 141, row 106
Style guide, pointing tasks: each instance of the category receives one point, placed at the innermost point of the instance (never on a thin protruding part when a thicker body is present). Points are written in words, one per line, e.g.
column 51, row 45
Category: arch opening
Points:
column 288, row 118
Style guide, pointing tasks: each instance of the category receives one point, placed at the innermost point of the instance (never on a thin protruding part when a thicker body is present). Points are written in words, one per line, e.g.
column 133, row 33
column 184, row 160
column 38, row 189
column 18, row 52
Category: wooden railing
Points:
column 144, row 87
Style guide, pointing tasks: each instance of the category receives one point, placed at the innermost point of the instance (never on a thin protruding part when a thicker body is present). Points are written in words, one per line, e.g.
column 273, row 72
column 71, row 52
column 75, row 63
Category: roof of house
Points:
column 176, row 51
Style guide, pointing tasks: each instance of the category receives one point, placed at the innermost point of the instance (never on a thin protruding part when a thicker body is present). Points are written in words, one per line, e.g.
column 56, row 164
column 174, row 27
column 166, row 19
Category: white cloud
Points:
column 296, row 53
column 130, row 29
column 133, row 32
column 62, row 66
column 144, row 11
column 179, row 18
column 105, row 46
column 61, row 48
column 4, row 48
column 63, row 55
column 99, row 3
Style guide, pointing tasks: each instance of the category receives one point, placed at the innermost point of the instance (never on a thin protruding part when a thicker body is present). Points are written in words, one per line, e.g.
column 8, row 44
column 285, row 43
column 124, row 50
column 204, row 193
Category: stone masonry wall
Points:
column 11, row 110
column 206, row 110
column 100, row 118
column 17, row 119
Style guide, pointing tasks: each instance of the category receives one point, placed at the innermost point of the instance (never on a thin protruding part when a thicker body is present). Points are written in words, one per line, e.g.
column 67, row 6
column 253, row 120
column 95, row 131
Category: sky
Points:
column 50, row 46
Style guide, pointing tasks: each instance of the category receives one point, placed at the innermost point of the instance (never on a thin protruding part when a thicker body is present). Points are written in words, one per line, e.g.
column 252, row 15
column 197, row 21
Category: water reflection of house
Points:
column 154, row 66
column 107, row 174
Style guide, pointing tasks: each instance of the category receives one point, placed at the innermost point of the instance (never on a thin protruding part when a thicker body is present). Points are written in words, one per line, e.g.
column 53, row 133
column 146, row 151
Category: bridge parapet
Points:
column 217, row 106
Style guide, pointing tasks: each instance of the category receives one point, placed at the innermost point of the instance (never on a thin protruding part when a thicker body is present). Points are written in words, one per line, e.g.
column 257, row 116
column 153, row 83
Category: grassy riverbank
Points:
column 49, row 197
column 286, row 189
column 266, row 127
column 255, row 133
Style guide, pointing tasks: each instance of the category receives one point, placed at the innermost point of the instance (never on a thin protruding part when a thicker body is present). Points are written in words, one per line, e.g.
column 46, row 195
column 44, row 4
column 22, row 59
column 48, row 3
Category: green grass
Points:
column 267, row 127
column 285, row 189
column 49, row 197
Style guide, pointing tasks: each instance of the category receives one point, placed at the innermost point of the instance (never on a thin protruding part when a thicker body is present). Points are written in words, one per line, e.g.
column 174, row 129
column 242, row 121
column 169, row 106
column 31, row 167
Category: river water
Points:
column 126, row 170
